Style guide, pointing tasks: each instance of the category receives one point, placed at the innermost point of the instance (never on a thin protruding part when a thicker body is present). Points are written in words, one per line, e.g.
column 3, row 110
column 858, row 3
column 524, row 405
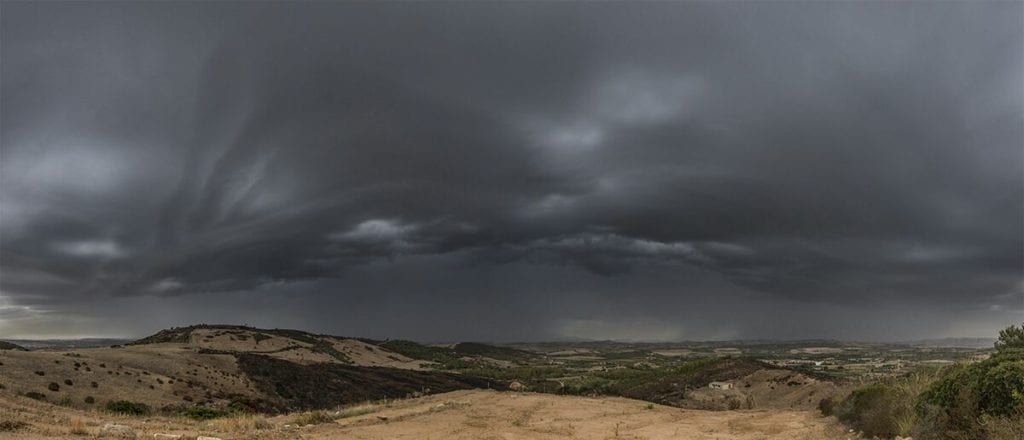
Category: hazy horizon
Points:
column 514, row 171
column 40, row 338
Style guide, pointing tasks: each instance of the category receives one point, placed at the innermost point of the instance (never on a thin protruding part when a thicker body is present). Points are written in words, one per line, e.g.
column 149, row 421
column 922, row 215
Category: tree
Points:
column 1011, row 337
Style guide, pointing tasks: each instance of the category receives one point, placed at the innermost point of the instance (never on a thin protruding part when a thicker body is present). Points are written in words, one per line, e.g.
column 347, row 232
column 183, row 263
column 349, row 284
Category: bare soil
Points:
column 459, row 415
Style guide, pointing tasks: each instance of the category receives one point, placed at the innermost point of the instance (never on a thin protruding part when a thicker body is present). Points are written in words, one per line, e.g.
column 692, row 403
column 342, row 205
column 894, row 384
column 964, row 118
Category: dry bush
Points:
column 1004, row 428
column 12, row 425
column 261, row 423
column 78, row 427
column 312, row 418
column 354, row 411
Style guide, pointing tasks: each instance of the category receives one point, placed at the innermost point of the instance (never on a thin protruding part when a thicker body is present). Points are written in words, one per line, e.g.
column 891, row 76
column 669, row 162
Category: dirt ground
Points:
column 501, row 415
column 460, row 415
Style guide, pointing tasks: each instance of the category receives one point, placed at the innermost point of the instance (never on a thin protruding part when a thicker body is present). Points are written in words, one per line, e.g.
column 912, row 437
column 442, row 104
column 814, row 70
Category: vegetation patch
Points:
column 127, row 408
column 667, row 386
column 9, row 346
column 12, row 425
column 203, row 413
column 312, row 418
column 325, row 385
column 875, row 410
column 491, row 351
column 320, row 417
column 414, row 350
column 976, row 400
column 980, row 399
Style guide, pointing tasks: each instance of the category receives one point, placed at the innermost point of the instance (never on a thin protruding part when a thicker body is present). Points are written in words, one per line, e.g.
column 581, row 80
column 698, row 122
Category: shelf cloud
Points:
column 514, row 171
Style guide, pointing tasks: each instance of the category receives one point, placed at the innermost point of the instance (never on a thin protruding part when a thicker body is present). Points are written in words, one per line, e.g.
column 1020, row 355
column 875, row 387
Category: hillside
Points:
column 460, row 355
column 10, row 346
column 228, row 367
column 754, row 385
column 242, row 370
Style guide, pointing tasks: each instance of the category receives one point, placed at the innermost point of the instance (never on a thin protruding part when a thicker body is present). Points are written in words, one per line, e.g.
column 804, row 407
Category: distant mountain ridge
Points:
column 11, row 346
column 955, row 342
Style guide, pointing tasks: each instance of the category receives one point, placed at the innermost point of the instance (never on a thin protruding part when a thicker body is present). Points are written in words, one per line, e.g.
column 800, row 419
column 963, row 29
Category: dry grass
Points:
column 240, row 424
column 320, row 417
column 78, row 427
column 358, row 410
column 465, row 415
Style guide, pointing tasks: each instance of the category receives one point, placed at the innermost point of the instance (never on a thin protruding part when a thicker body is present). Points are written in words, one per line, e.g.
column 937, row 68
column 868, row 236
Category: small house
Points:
column 720, row 385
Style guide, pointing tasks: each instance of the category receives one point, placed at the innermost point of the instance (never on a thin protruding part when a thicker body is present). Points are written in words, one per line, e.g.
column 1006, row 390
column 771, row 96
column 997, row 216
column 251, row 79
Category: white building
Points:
column 720, row 385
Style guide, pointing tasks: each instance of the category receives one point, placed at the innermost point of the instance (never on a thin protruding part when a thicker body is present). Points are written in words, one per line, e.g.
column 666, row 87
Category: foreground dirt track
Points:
column 459, row 415
column 493, row 415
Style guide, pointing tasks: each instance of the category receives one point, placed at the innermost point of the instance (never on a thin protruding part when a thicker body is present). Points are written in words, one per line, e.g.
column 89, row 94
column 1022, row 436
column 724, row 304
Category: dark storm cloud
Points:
column 642, row 156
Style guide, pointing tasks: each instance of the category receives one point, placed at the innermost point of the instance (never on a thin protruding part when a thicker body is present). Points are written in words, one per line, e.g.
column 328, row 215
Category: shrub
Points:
column 90, row 400
column 355, row 411
column 128, row 408
column 1002, row 389
column 1004, row 428
column 40, row 373
column 35, row 395
column 1010, row 337
column 261, row 423
column 313, row 418
column 12, row 425
column 68, row 382
column 979, row 400
column 826, row 406
column 53, row 386
column 875, row 410
column 203, row 413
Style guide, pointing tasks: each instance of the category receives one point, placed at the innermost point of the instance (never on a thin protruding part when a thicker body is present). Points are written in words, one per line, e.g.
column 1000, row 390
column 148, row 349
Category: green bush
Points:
column 979, row 400
column 203, row 413
column 126, row 407
column 875, row 410
column 998, row 382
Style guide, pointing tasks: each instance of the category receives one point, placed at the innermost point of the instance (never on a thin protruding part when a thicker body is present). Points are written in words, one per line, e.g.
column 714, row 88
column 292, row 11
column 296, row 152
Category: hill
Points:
column 10, row 346
column 226, row 367
column 460, row 355
column 291, row 345
column 754, row 384
column 238, row 368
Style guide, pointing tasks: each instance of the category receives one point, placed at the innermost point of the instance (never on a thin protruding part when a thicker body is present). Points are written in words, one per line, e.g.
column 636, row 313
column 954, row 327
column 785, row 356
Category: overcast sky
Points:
column 499, row 171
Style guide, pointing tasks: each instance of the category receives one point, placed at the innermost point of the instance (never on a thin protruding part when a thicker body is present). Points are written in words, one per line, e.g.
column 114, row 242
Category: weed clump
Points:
column 313, row 418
